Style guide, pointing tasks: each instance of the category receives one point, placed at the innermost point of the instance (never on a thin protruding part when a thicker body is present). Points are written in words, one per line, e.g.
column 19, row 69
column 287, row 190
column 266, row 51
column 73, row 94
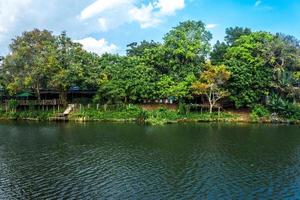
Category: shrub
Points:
column 12, row 105
column 259, row 111
column 283, row 107
column 182, row 108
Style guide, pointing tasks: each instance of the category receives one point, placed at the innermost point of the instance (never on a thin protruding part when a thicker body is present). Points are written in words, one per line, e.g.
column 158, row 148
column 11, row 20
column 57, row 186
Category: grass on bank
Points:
column 133, row 113
column 154, row 117
column 27, row 115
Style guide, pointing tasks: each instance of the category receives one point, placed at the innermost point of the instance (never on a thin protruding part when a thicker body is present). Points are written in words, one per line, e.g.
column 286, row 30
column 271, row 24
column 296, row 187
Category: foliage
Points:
column 283, row 107
column 182, row 108
column 250, row 75
column 167, row 87
column 28, row 115
column 259, row 111
column 186, row 47
column 139, row 49
column 257, row 64
column 12, row 105
column 30, row 63
column 129, row 112
column 125, row 80
column 210, row 84
column 218, row 52
column 234, row 33
column 217, row 56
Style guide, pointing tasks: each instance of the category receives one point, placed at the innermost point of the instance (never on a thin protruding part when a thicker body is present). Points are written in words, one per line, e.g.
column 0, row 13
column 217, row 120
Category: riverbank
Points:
column 134, row 114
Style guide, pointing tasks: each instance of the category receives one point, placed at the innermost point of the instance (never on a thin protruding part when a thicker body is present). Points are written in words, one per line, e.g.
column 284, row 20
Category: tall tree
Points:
column 186, row 48
column 251, row 77
column 29, row 66
column 138, row 49
column 72, row 66
column 220, row 48
column 218, row 52
column 125, row 79
column 234, row 33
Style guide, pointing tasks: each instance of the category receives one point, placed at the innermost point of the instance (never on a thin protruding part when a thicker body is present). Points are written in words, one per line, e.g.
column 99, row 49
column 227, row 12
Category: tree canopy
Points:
column 250, row 66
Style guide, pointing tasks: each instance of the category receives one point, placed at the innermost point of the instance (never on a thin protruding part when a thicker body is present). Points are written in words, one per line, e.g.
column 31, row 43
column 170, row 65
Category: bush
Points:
column 156, row 121
column 283, row 107
column 259, row 111
column 181, row 109
column 12, row 105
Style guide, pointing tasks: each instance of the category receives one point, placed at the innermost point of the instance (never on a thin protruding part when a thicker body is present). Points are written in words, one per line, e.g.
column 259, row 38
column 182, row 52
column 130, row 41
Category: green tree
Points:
column 138, row 49
column 220, row 48
column 251, row 74
column 73, row 66
column 234, row 33
column 125, row 79
column 29, row 66
column 218, row 52
column 186, row 47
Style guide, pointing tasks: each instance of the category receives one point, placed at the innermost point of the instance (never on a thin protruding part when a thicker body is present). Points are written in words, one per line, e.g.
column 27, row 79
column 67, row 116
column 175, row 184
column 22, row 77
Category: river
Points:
column 129, row 161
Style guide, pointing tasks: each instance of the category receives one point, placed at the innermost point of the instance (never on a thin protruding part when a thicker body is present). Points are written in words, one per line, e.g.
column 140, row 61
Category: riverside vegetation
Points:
column 254, row 71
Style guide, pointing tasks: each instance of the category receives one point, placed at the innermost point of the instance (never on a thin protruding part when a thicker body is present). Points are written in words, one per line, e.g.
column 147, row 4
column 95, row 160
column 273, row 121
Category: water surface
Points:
column 128, row 161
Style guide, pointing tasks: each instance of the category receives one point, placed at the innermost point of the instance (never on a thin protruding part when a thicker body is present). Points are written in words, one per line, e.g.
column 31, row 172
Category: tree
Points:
column 284, row 58
column 234, row 33
column 72, row 66
column 181, row 90
column 251, row 73
column 29, row 66
column 125, row 79
column 138, row 49
column 211, row 84
column 186, row 47
column 218, row 52
column 220, row 48
column 261, row 64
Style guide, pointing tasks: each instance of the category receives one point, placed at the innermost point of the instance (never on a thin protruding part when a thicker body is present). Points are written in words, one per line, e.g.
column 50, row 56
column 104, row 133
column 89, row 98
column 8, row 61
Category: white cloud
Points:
column 211, row 26
column 169, row 7
column 113, row 13
column 144, row 16
column 257, row 3
column 260, row 5
column 97, row 46
column 103, row 24
column 100, row 6
column 10, row 11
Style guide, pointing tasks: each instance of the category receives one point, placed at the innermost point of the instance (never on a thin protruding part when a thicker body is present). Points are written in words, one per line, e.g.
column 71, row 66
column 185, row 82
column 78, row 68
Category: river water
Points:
column 128, row 161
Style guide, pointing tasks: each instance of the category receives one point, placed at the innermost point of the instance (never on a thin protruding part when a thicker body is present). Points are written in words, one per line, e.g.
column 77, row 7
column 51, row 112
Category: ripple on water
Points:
column 134, row 162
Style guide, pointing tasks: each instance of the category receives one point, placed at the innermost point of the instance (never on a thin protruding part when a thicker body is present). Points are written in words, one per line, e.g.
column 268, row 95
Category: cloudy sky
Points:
column 109, row 25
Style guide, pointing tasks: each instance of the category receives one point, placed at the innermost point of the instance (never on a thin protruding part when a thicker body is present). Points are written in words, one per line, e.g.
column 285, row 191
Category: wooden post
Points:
column 219, row 111
column 201, row 110
column 97, row 106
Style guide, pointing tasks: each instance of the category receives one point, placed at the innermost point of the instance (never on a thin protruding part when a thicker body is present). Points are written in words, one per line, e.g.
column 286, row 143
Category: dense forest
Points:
column 247, row 70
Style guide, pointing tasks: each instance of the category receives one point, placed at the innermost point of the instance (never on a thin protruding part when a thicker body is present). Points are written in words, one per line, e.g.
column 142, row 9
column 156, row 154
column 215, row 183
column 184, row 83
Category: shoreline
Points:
column 165, row 121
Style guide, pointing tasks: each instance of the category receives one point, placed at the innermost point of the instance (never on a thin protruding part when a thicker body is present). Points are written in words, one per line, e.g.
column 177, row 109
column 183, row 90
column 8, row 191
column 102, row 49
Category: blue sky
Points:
column 108, row 26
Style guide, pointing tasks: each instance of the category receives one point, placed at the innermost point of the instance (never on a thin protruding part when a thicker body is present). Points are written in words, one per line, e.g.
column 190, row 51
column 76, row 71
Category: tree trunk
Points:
column 210, row 108
column 63, row 97
column 38, row 93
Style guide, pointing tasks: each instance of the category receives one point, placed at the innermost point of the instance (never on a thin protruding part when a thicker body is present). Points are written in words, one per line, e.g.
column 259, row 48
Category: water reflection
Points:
column 117, row 161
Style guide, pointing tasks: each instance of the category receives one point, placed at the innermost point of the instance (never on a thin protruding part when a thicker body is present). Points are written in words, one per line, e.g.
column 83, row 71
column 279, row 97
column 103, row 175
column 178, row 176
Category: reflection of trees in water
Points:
column 183, row 160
